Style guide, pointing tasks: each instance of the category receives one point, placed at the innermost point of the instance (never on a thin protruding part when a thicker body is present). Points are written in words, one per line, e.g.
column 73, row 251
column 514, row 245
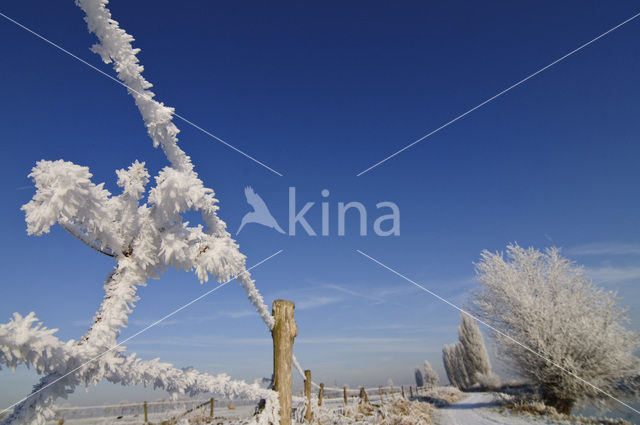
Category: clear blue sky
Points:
column 320, row 92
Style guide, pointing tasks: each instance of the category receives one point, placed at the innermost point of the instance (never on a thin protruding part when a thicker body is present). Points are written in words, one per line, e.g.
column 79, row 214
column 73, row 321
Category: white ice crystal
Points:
column 143, row 238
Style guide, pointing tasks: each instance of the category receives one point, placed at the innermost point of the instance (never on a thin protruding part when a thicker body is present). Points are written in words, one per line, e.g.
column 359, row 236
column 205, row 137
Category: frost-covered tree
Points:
column 143, row 235
column 447, row 361
column 453, row 359
column 419, row 378
column 467, row 361
column 474, row 352
column 431, row 378
column 461, row 367
column 576, row 343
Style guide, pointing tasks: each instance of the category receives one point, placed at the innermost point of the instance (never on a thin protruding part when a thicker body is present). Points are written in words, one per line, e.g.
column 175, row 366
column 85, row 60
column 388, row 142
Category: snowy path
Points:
column 473, row 410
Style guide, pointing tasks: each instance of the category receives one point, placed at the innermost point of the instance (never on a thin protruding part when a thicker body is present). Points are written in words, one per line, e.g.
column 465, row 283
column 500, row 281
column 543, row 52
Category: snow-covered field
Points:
column 158, row 412
column 474, row 409
column 222, row 415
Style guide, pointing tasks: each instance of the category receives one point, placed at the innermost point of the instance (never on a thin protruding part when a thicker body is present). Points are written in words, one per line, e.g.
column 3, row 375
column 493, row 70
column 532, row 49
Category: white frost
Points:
column 143, row 238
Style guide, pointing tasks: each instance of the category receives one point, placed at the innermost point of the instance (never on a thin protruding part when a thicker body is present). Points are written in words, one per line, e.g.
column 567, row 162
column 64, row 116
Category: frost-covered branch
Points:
column 178, row 187
column 65, row 193
column 75, row 231
column 67, row 365
column 143, row 238
column 24, row 341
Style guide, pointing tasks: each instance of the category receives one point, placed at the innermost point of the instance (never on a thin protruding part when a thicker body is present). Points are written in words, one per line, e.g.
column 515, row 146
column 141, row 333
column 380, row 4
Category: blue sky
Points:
column 320, row 92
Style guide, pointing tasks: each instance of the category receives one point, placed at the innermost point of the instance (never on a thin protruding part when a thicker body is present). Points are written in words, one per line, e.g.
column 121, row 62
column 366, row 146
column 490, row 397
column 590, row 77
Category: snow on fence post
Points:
column 146, row 419
column 320, row 394
column 380, row 392
column 307, row 394
column 283, row 333
column 346, row 400
column 211, row 407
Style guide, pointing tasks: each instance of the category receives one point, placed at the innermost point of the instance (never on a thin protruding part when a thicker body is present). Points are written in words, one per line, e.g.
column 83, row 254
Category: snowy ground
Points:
column 473, row 409
column 476, row 409
column 482, row 409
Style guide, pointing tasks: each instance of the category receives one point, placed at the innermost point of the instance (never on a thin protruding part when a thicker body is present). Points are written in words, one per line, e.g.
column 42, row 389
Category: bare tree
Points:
column 576, row 344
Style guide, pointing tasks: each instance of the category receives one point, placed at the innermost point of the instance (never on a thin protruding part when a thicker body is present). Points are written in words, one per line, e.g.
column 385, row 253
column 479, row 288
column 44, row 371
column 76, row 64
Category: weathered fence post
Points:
column 403, row 396
column 283, row 333
column 320, row 394
column 346, row 400
column 146, row 419
column 380, row 393
column 411, row 391
column 307, row 394
column 211, row 408
column 363, row 396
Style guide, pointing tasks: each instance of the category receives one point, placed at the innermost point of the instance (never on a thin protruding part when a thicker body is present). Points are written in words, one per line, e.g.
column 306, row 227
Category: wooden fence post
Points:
column 211, row 408
column 403, row 396
column 363, row 396
column 380, row 393
column 283, row 333
column 320, row 394
column 411, row 391
column 307, row 394
column 146, row 419
column 346, row 400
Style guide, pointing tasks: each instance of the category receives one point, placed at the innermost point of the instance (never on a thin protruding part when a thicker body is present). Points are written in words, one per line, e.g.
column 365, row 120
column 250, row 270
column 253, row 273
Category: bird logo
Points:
column 260, row 213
